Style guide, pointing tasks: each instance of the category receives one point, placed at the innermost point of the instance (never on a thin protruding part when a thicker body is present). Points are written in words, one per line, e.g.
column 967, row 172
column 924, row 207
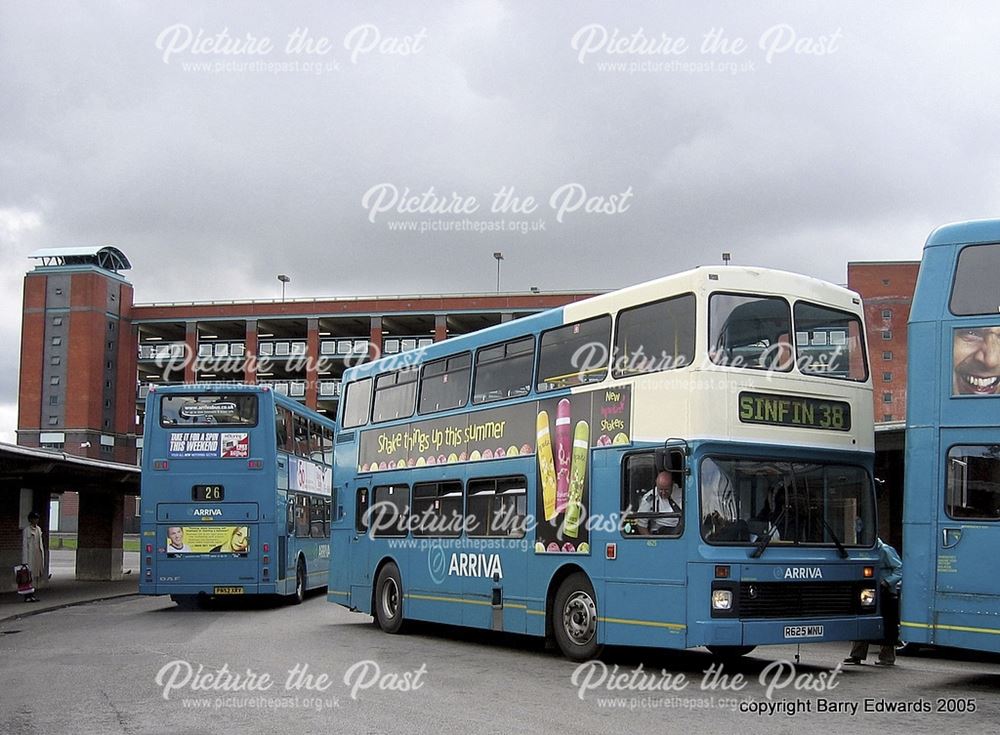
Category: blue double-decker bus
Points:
column 686, row 462
column 236, row 485
column 951, row 508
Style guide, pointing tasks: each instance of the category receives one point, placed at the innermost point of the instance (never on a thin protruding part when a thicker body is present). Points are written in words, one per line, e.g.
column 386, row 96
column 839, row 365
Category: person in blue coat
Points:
column 890, row 574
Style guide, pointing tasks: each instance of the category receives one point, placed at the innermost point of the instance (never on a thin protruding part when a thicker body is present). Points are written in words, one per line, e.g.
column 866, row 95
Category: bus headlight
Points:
column 722, row 599
column 868, row 597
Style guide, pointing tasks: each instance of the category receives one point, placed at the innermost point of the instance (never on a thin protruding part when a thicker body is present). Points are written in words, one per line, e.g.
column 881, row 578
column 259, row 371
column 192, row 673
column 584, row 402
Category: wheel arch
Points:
column 378, row 570
column 557, row 578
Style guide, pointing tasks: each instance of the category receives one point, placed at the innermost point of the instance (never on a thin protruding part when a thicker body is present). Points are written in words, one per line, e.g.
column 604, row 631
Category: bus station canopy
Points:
column 45, row 469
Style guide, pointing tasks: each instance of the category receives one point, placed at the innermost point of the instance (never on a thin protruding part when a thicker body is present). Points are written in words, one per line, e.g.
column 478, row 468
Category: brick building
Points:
column 89, row 354
column 887, row 290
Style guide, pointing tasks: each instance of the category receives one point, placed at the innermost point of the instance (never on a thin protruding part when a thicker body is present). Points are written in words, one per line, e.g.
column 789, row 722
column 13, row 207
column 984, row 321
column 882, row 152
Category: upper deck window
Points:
column 575, row 354
column 976, row 289
column 217, row 409
column 357, row 403
column 445, row 383
column 655, row 337
column 504, row 370
column 750, row 332
column 829, row 342
column 395, row 395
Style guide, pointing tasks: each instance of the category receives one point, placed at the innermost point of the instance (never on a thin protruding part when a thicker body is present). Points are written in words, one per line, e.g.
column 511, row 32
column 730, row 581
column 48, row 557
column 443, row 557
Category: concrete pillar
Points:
column 440, row 327
column 191, row 339
column 99, row 539
column 312, row 357
column 375, row 340
column 250, row 367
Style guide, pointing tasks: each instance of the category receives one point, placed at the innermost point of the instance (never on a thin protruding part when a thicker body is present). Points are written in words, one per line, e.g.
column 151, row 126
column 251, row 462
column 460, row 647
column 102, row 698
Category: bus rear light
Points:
column 255, row 464
column 868, row 572
column 266, row 572
column 149, row 548
column 267, row 548
column 722, row 571
column 149, row 560
column 161, row 464
column 149, row 572
column 267, row 560
column 611, row 551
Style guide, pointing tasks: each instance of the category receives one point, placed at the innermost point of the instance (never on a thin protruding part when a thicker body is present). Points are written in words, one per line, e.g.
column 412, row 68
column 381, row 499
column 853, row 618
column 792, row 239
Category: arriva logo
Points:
column 207, row 512
column 803, row 573
column 475, row 565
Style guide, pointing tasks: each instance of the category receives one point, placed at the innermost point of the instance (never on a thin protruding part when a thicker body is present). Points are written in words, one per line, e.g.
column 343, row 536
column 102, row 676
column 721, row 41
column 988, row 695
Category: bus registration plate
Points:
column 803, row 631
column 239, row 591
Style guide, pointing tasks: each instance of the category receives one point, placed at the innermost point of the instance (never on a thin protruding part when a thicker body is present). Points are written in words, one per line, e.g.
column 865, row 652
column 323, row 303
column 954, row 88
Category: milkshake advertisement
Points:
column 566, row 429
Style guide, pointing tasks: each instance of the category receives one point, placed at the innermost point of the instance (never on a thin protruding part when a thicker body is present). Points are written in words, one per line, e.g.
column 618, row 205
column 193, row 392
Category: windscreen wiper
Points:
column 840, row 546
column 764, row 540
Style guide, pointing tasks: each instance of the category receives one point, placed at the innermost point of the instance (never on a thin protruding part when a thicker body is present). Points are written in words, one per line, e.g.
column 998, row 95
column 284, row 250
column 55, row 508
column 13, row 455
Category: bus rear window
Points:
column 976, row 289
column 218, row 409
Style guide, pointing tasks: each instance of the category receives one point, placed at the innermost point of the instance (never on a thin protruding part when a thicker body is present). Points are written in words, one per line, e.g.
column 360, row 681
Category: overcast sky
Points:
column 219, row 146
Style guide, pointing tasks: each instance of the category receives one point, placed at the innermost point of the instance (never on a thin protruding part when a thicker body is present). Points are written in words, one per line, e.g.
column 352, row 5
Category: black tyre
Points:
column 574, row 618
column 300, row 583
column 729, row 653
column 186, row 602
column 908, row 649
column 389, row 599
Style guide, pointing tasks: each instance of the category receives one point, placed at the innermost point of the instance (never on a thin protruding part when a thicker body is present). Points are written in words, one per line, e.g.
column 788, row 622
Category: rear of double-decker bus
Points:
column 951, row 507
column 760, row 412
column 209, row 517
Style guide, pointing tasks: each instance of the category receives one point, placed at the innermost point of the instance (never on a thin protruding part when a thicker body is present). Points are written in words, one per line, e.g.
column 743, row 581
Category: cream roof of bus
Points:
column 716, row 278
column 699, row 280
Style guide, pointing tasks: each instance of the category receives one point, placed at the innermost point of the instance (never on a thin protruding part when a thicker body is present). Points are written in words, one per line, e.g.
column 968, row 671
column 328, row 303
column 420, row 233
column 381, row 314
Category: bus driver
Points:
column 666, row 497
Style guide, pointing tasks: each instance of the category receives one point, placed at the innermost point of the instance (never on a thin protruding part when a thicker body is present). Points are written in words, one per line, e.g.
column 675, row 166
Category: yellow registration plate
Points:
column 228, row 591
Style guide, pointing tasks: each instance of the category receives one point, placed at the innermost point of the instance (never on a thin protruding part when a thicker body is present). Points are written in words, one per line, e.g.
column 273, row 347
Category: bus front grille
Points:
column 798, row 599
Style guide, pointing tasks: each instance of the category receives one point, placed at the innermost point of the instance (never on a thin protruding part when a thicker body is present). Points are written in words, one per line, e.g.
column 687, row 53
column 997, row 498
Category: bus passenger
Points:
column 664, row 498
column 890, row 574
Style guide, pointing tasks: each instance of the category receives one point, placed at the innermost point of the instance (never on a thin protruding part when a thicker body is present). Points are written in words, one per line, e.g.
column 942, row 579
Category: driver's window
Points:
column 652, row 498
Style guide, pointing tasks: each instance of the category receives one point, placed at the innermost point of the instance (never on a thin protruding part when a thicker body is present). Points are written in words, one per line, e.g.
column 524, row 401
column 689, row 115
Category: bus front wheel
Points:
column 575, row 618
column 300, row 582
column 389, row 599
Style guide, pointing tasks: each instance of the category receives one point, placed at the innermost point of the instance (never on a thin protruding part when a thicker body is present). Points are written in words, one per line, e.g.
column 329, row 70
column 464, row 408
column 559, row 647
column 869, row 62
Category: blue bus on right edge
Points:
column 951, row 514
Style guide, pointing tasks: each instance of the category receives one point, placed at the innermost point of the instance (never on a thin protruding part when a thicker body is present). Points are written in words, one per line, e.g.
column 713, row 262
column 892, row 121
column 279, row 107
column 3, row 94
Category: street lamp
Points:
column 726, row 257
column 284, row 279
column 499, row 257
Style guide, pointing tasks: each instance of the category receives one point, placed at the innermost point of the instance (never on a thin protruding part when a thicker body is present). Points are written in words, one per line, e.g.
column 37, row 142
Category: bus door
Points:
column 646, row 581
column 968, row 527
column 493, row 564
column 354, row 547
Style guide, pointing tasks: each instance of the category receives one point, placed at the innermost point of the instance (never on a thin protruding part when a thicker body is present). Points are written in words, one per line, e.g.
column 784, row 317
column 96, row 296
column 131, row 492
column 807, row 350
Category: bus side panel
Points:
column 924, row 487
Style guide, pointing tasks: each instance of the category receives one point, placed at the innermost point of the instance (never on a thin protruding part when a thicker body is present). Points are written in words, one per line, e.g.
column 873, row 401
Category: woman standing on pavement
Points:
column 33, row 551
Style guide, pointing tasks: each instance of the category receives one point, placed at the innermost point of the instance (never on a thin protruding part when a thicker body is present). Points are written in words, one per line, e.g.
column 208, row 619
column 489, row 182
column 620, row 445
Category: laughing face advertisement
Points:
column 976, row 361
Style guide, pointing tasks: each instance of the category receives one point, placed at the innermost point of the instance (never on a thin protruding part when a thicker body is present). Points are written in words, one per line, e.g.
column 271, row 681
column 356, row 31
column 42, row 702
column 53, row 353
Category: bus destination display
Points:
column 798, row 411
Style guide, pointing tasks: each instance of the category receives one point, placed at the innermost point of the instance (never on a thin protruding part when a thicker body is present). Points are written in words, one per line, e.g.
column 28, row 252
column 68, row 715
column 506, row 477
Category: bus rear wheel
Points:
column 186, row 602
column 574, row 618
column 389, row 599
column 300, row 582
column 729, row 653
